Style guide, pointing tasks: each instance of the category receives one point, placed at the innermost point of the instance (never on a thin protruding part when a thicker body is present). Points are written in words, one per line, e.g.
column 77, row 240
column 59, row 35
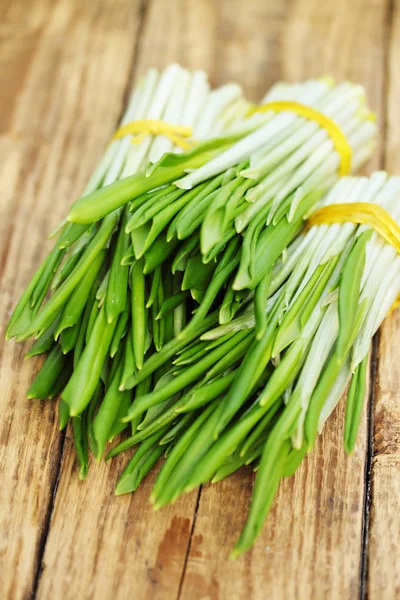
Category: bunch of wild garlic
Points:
column 182, row 298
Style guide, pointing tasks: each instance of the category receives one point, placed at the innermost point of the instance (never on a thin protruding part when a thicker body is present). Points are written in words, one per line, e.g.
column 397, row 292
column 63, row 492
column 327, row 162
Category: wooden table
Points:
column 67, row 68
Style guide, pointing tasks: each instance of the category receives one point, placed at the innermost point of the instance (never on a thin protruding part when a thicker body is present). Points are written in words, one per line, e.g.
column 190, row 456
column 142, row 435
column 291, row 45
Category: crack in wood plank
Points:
column 189, row 545
column 47, row 520
column 368, row 469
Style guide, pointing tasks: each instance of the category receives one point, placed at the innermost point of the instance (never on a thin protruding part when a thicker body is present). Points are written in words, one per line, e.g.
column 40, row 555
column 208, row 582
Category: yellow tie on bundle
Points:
column 361, row 213
column 333, row 130
column 177, row 134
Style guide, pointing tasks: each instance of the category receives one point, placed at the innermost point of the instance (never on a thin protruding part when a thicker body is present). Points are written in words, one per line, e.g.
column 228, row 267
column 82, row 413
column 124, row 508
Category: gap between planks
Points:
column 374, row 365
column 47, row 521
column 53, row 491
column 369, row 453
column 189, row 545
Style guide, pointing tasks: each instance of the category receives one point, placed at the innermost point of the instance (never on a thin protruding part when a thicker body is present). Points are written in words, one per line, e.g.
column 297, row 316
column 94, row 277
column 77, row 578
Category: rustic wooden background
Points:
column 66, row 68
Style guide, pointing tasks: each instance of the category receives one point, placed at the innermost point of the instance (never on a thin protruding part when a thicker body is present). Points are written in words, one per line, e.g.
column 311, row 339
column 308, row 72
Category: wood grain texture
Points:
column 310, row 544
column 231, row 39
column 384, row 555
column 103, row 546
column 67, row 66
column 55, row 67
column 384, row 547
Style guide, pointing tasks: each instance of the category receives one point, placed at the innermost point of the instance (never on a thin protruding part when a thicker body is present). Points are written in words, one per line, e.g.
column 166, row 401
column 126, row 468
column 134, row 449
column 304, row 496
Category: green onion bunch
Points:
column 181, row 299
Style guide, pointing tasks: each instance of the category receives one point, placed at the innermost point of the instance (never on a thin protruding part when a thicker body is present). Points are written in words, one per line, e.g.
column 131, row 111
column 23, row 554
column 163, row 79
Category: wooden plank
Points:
column 103, row 546
column 311, row 544
column 119, row 546
column 55, row 66
column 231, row 39
column 384, row 546
column 384, row 554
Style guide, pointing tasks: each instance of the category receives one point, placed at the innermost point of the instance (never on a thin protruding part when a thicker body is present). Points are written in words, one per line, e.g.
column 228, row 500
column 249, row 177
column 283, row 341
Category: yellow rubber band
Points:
column 361, row 213
column 177, row 134
column 395, row 304
column 337, row 136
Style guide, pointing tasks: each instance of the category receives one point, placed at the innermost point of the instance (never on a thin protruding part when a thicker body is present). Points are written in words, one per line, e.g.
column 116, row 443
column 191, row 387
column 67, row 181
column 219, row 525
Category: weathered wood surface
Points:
column 384, row 531
column 67, row 66
column 55, row 119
